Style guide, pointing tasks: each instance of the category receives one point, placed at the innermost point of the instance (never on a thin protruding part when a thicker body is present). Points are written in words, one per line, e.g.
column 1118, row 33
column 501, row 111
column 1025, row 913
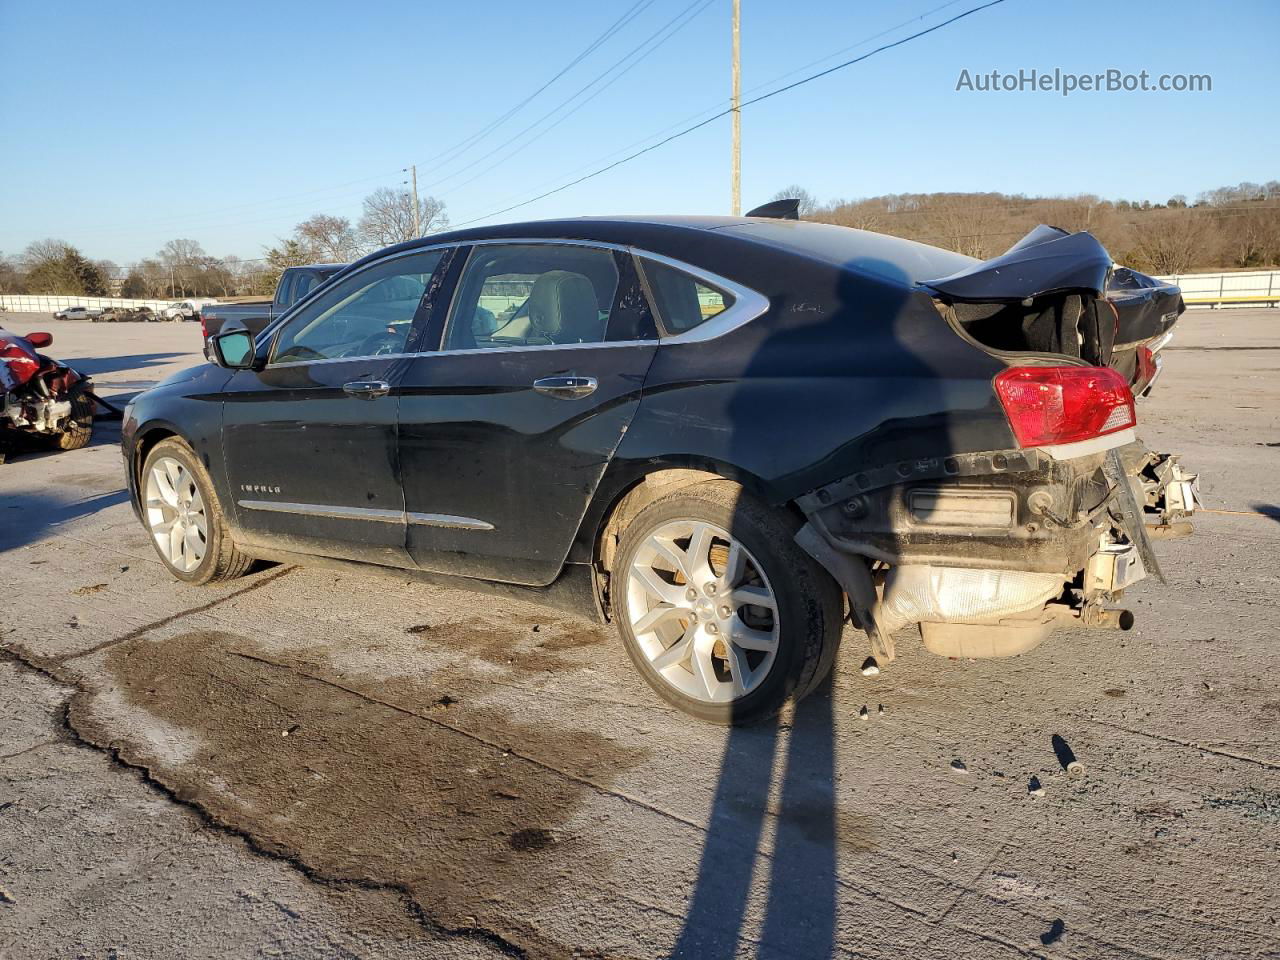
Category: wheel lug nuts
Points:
column 712, row 628
column 691, row 593
column 725, row 613
column 711, row 589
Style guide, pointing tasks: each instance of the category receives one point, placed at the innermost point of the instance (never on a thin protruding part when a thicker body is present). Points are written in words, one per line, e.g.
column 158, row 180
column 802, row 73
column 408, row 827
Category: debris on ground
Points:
column 880, row 710
column 870, row 668
column 291, row 731
column 6, row 896
column 1066, row 756
column 85, row 591
column 864, row 713
column 420, row 628
column 959, row 766
column 1054, row 933
column 1034, row 787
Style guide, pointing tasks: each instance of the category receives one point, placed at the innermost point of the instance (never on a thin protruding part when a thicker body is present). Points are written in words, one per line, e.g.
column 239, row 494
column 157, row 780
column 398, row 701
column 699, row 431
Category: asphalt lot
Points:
column 307, row 764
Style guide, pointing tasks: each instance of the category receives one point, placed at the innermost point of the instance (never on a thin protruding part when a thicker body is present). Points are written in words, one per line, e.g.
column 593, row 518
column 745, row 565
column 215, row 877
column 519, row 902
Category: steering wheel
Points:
column 380, row 344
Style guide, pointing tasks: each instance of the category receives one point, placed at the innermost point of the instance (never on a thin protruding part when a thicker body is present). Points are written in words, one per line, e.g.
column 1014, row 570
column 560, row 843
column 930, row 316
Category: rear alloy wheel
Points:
column 182, row 515
column 723, row 614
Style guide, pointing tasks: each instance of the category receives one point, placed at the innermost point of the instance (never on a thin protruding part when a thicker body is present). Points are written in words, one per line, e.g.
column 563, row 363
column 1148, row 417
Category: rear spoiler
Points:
column 1047, row 260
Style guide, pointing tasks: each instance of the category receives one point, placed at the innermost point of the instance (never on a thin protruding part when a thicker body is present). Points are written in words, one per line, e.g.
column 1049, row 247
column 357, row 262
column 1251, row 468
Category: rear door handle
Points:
column 367, row 389
column 566, row 388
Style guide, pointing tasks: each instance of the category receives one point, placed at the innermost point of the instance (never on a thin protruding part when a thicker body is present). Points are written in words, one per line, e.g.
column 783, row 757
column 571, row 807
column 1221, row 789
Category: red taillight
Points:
column 1146, row 367
column 20, row 363
column 1049, row 405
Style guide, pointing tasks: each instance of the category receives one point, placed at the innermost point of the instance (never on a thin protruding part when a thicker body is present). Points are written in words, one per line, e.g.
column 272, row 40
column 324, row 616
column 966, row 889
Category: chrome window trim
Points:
column 748, row 304
column 366, row 513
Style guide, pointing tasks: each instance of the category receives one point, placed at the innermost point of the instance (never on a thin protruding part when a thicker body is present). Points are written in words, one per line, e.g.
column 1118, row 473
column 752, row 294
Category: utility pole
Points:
column 735, row 99
column 417, row 216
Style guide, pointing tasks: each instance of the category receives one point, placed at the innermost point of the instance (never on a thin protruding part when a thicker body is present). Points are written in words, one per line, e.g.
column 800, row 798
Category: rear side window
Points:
column 302, row 287
column 682, row 300
column 282, row 292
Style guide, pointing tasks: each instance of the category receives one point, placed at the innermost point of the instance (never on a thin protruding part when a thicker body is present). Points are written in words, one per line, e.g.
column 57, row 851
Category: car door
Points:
column 507, row 426
column 309, row 440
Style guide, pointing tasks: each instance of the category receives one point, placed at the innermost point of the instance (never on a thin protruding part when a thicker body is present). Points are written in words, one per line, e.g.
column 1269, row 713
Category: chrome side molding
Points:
column 366, row 513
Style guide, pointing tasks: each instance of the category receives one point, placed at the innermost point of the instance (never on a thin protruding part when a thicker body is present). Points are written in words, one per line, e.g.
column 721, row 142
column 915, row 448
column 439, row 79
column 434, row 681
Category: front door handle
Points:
column 566, row 388
column 367, row 389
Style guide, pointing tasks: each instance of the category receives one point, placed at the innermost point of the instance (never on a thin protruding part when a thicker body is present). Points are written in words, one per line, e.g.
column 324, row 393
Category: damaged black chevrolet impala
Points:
column 727, row 436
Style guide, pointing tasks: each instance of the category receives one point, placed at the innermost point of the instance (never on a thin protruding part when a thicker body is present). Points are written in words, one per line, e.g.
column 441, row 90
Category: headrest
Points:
column 563, row 308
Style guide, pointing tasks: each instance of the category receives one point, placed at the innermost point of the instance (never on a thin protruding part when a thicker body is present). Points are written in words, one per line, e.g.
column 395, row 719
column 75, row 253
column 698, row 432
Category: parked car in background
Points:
column 78, row 313
column 294, row 284
column 184, row 309
column 721, row 434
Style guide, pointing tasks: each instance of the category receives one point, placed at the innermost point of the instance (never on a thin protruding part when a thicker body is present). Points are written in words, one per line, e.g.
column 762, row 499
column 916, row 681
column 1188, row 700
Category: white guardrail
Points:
column 39, row 303
column 1240, row 289
column 1247, row 288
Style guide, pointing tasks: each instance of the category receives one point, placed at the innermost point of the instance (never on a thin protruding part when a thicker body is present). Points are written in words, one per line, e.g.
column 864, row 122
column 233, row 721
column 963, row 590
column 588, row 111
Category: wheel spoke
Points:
column 699, row 551
column 164, row 486
column 193, row 546
column 754, row 597
column 673, row 555
column 197, row 502
column 678, row 652
column 739, row 671
column 175, row 544
column 659, row 614
column 740, row 635
column 703, row 671
column 168, row 512
column 735, row 567
column 173, row 471
column 666, row 592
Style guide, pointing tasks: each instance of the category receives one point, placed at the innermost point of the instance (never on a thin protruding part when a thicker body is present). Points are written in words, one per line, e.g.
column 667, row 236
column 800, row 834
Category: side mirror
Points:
column 233, row 349
column 39, row 340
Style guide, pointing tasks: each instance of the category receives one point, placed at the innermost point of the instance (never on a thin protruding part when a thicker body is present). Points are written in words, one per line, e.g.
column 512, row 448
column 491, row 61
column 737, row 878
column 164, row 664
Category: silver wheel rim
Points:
column 702, row 611
column 176, row 514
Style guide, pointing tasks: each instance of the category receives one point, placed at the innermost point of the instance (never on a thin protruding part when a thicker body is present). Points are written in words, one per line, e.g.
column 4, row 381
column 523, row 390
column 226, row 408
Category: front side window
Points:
column 523, row 295
column 368, row 314
column 683, row 301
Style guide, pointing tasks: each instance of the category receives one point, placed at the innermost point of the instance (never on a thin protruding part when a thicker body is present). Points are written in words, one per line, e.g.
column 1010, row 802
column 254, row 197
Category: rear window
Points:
column 683, row 301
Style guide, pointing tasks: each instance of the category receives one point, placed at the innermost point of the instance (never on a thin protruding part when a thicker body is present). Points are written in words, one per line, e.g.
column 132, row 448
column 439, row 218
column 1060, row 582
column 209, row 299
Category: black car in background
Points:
column 724, row 435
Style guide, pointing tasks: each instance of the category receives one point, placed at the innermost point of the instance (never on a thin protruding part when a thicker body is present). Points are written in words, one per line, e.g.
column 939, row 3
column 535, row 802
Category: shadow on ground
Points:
column 30, row 515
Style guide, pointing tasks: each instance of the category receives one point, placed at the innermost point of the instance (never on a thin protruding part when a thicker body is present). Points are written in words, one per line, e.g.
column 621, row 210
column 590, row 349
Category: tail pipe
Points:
column 1102, row 618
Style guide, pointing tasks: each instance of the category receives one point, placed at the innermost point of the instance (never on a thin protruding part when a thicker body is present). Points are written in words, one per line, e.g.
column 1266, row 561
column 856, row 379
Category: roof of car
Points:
column 889, row 258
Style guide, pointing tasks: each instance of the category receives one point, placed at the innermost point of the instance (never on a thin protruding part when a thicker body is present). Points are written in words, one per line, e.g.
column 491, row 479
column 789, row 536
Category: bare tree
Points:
column 330, row 238
column 388, row 217
column 808, row 202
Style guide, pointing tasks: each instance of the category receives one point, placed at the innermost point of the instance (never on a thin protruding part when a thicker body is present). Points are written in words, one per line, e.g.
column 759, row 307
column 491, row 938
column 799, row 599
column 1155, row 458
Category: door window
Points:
column 368, row 314
column 683, row 301
column 530, row 295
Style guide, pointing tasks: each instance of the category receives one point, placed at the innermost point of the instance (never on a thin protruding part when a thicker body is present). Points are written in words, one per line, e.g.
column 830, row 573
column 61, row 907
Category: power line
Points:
column 686, row 14
column 631, row 13
column 747, row 103
column 700, row 6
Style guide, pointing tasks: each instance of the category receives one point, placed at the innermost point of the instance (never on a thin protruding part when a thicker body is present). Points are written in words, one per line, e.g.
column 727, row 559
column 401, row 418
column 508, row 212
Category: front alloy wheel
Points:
column 176, row 514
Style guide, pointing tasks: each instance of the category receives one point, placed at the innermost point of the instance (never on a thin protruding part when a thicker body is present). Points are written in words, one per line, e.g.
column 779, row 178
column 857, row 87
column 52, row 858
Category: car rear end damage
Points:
column 988, row 551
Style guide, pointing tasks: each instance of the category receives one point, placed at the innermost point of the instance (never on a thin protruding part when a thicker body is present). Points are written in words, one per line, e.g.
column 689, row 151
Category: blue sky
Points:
column 126, row 125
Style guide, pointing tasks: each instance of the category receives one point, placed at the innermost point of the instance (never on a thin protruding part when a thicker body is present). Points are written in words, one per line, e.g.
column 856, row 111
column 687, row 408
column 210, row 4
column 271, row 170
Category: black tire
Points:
column 810, row 605
column 79, row 429
column 221, row 560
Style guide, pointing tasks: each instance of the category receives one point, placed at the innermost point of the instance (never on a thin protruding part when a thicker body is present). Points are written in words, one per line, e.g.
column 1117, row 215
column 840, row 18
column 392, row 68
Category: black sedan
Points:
column 728, row 436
